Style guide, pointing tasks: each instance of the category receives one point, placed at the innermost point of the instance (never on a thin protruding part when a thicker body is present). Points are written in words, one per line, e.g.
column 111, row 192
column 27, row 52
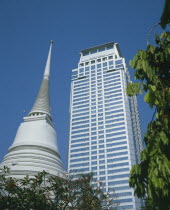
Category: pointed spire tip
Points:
column 42, row 104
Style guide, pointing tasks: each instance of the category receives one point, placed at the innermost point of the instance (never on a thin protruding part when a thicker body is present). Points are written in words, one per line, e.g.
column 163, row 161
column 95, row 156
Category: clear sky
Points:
column 27, row 26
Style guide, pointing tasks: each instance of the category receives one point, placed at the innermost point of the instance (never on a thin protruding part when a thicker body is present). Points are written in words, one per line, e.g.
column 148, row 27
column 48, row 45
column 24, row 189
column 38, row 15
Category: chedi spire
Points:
column 42, row 103
column 35, row 146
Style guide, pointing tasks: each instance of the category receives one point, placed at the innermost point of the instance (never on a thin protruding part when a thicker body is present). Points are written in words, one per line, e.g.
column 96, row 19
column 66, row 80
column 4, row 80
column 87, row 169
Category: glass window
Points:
column 114, row 129
column 98, row 65
column 80, row 154
column 102, row 173
column 101, row 141
column 110, row 67
column 93, row 67
column 118, row 62
column 117, row 143
column 117, row 154
column 101, row 127
column 79, row 164
column 102, row 167
column 101, row 49
column 101, row 146
column 79, row 159
column 79, row 170
column 81, row 70
column 94, row 168
column 124, row 194
column 101, row 136
column 104, row 64
column 80, row 145
column 102, row 178
column 93, row 124
column 94, row 152
column 100, row 131
column 115, row 139
column 93, row 129
column 121, row 188
column 120, row 176
column 117, row 148
column 115, row 134
column 93, row 51
column 110, row 63
column 86, row 68
column 86, row 53
column 124, row 200
column 79, row 150
column 117, row 165
column 108, row 48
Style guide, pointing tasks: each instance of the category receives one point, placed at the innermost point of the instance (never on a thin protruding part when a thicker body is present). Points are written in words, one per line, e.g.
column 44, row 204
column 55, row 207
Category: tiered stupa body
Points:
column 35, row 146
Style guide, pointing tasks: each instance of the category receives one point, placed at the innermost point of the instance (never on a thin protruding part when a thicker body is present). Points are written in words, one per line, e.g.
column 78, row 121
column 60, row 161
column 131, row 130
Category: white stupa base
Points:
column 34, row 149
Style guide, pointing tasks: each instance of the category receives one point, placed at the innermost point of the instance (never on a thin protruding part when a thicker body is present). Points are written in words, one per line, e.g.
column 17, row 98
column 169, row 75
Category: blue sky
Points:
column 26, row 29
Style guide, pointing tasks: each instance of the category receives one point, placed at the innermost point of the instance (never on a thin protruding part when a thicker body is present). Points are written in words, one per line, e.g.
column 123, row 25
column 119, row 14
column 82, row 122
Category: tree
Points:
column 53, row 193
column 151, row 178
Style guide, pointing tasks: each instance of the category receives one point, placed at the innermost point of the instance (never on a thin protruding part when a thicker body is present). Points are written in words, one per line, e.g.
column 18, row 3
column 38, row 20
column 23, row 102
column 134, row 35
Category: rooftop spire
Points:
column 42, row 103
column 47, row 68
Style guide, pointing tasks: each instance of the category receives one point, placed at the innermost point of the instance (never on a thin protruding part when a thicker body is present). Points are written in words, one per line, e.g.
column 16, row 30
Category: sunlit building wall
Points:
column 105, row 136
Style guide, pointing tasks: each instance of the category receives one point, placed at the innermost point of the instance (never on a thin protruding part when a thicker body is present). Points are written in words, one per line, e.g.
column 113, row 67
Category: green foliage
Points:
column 165, row 18
column 53, row 193
column 151, row 178
column 133, row 88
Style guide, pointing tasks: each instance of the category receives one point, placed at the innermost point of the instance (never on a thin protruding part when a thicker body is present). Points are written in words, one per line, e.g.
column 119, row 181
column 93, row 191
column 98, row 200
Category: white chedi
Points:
column 35, row 146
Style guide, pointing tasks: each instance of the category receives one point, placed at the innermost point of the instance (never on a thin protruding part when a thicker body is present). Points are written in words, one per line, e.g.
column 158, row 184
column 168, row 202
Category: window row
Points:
column 81, row 133
column 80, row 170
column 114, row 171
column 114, row 129
column 84, row 126
column 79, row 159
column 111, row 103
column 117, row 165
column 118, row 182
column 119, row 175
column 79, row 154
column 116, row 149
column 113, row 116
column 99, row 90
column 79, row 140
column 83, row 144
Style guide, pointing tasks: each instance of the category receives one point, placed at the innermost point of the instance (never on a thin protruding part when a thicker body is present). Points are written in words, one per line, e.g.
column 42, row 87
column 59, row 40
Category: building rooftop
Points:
column 100, row 48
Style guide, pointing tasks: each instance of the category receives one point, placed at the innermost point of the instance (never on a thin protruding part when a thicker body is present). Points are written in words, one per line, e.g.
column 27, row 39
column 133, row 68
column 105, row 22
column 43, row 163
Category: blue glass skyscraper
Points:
column 105, row 136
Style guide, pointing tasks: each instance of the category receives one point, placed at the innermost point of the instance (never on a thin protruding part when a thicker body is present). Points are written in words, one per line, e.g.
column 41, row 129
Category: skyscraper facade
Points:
column 105, row 136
